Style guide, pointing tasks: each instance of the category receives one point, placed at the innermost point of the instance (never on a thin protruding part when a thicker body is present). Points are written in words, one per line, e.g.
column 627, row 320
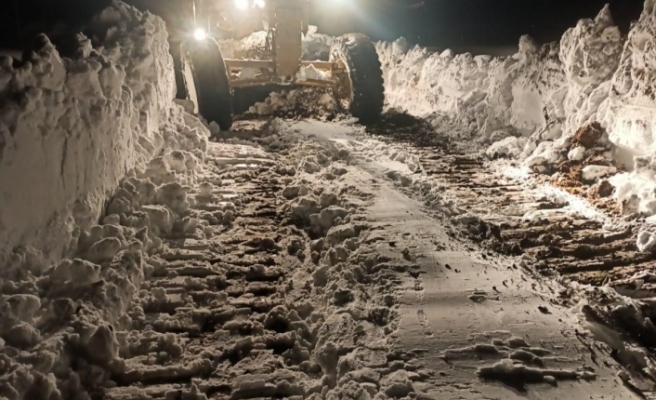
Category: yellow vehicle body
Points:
column 353, row 72
column 286, row 22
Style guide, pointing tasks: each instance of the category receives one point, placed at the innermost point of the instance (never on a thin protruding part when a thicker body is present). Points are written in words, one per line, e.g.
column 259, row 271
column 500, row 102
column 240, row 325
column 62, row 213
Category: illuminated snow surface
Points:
column 300, row 258
column 542, row 96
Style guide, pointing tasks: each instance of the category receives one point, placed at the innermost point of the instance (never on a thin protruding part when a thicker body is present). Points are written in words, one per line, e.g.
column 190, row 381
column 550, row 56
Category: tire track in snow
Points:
column 285, row 299
column 549, row 235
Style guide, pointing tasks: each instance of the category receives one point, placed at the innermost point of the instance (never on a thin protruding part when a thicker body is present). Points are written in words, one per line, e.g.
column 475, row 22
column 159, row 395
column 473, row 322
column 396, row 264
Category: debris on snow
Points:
column 583, row 165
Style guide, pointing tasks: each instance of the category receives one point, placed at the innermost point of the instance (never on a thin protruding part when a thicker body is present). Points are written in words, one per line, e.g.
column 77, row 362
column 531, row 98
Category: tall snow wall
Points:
column 630, row 112
column 555, row 87
column 70, row 128
column 543, row 95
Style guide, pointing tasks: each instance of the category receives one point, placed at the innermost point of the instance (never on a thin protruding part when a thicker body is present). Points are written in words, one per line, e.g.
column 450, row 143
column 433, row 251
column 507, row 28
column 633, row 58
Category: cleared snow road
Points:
column 474, row 325
column 465, row 312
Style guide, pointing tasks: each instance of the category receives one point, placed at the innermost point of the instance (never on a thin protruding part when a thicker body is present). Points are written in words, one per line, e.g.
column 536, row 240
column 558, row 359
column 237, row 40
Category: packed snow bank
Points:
column 631, row 111
column 630, row 114
column 75, row 133
column 519, row 94
column 545, row 94
column 424, row 83
column 71, row 128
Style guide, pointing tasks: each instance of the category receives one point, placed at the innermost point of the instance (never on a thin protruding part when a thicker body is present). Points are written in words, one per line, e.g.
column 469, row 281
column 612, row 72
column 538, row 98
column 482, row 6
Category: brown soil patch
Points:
column 570, row 172
column 598, row 159
column 603, row 189
column 588, row 135
column 572, row 186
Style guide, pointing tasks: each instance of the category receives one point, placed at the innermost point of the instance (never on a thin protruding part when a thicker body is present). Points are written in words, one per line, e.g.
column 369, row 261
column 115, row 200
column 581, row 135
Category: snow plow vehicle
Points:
column 352, row 72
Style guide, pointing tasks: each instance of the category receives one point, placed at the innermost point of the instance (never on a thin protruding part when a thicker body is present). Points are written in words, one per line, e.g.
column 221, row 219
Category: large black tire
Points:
column 364, row 73
column 211, row 81
column 179, row 64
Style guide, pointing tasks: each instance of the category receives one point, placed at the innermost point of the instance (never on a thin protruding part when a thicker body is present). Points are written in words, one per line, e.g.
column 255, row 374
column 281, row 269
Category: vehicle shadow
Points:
column 297, row 103
column 403, row 127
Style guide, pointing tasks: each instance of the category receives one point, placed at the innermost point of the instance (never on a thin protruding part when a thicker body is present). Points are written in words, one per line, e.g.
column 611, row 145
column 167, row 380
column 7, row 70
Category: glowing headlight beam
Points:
column 241, row 4
column 200, row 34
column 259, row 3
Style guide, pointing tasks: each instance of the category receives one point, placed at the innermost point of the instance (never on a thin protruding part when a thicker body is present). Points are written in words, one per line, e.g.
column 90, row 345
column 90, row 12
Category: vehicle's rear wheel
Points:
column 211, row 83
column 360, row 89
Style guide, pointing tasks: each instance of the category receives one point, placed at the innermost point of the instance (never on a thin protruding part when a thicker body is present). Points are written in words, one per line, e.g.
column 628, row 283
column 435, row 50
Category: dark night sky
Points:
column 466, row 23
column 459, row 24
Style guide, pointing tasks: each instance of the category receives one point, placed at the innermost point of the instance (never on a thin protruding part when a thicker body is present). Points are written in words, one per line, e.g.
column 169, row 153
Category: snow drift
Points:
column 70, row 128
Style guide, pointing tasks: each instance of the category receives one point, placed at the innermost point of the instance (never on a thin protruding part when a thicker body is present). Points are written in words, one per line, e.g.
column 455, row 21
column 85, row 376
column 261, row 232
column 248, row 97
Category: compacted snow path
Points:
column 315, row 276
column 466, row 314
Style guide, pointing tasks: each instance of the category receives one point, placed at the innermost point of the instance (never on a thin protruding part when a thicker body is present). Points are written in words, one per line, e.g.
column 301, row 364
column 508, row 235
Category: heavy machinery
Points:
column 352, row 72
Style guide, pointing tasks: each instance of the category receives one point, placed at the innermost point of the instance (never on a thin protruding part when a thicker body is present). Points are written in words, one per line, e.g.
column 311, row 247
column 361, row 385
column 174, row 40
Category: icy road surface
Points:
column 318, row 277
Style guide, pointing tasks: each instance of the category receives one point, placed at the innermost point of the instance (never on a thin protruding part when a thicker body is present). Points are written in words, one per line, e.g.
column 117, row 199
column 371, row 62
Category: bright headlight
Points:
column 260, row 3
column 200, row 34
column 241, row 4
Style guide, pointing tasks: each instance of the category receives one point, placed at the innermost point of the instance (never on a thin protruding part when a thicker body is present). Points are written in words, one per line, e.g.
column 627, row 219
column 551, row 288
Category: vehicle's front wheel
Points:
column 211, row 82
column 360, row 89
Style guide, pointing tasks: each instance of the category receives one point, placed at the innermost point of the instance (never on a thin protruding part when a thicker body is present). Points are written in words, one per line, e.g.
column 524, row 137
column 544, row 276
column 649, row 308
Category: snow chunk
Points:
column 646, row 240
column 576, row 154
column 310, row 72
column 544, row 154
column 636, row 190
column 316, row 46
column 594, row 172
column 510, row 147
